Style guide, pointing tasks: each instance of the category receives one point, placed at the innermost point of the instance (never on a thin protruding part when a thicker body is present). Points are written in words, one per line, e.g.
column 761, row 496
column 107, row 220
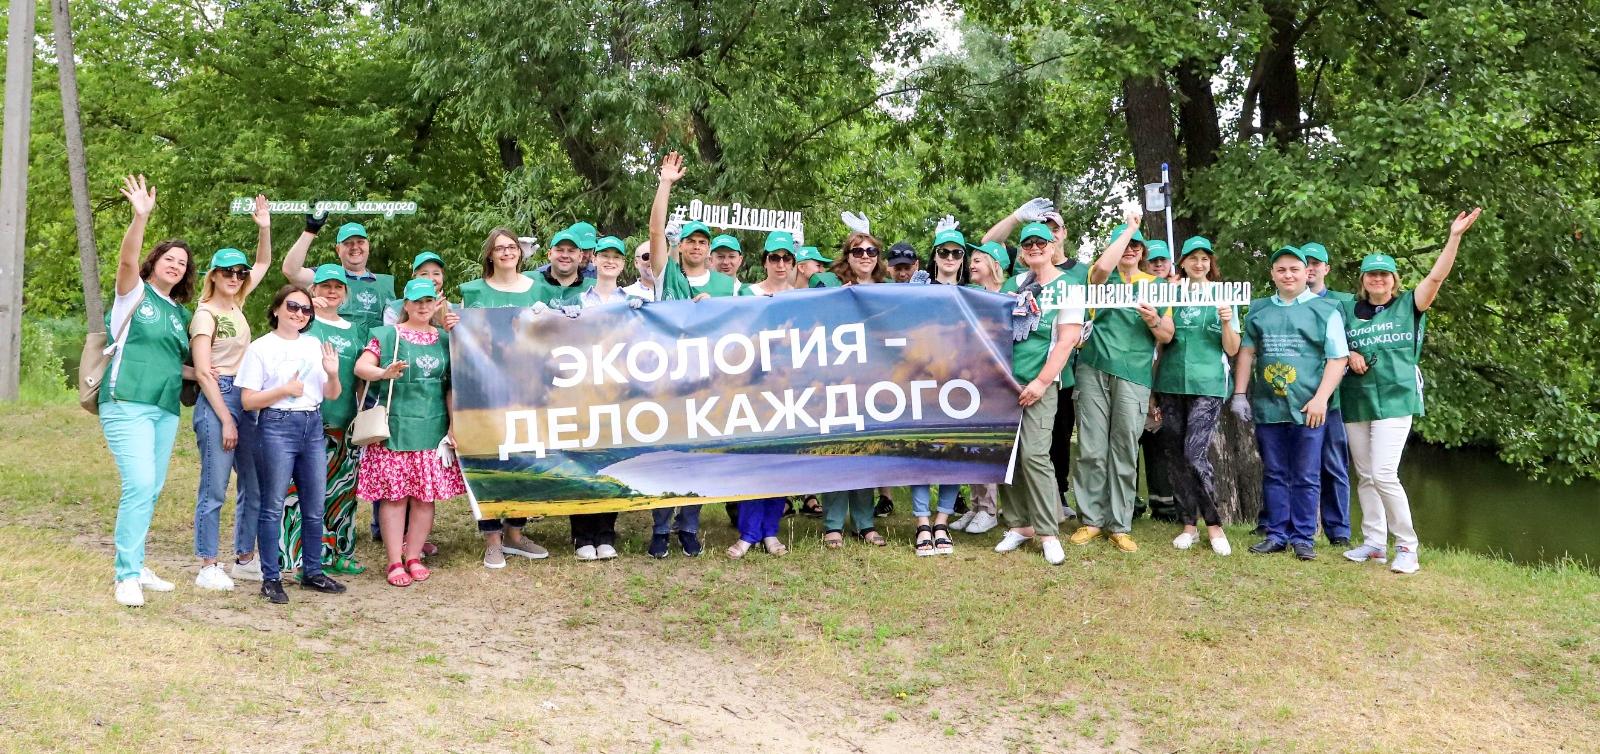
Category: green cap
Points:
column 953, row 236
column 610, row 243
column 810, row 254
column 420, row 288
column 725, row 241
column 1314, row 250
column 228, row 258
column 996, row 250
column 780, row 240
column 424, row 258
column 1196, row 242
column 351, row 229
column 1036, row 230
column 692, row 227
column 1291, row 251
column 327, row 272
column 583, row 235
column 564, row 235
column 1117, row 231
column 1157, row 249
column 1378, row 263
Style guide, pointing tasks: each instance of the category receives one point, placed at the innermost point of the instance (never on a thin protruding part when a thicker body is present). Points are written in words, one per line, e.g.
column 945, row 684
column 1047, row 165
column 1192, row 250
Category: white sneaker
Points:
column 250, row 571
column 982, row 522
column 1010, row 541
column 212, row 577
column 1405, row 560
column 1053, row 554
column 586, row 552
column 605, row 552
column 149, row 580
column 1220, row 545
column 129, row 593
column 1185, row 540
column 960, row 524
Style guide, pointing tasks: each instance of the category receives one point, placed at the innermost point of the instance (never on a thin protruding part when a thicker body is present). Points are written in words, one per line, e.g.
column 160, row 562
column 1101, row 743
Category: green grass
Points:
column 871, row 647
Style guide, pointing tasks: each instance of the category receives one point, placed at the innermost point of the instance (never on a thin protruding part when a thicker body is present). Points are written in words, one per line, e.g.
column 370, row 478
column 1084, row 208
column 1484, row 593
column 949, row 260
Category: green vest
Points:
column 151, row 357
column 555, row 294
column 1289, row 343
column 825, row 279
column 1194, row 362
column 1339, row 296
column 364, row 302
column 1120, row 343
column 417, row 418
column 676, row 287
column 1391, row 342
column 478, row 294
column 338, row 412
column 1029, row 355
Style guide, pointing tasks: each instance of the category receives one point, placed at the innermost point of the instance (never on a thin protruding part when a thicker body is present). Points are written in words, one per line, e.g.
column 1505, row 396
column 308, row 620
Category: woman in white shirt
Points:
column 286, row 375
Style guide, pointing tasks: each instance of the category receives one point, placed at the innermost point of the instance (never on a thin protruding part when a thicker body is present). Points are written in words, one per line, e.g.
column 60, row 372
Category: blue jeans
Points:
column 688, row 519
column 920, row 494
column 759, row 519
column 290, row 445
column 1335, row 479
column 140, row 436
column 215, row 465
column 1291, row 485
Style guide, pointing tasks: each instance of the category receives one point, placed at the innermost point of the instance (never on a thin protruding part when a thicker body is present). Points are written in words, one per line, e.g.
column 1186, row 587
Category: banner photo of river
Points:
column 684, row 403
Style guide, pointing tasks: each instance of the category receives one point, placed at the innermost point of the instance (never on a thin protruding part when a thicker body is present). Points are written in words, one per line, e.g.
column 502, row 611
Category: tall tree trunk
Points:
column 14, row 190
column 1280, row 77
column 77, row 167
column 1148, row 109
column 1198, row 128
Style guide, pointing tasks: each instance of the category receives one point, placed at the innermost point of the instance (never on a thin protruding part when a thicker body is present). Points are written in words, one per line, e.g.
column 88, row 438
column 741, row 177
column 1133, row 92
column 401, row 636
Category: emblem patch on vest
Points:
column 427, row 364
column 1280, row 376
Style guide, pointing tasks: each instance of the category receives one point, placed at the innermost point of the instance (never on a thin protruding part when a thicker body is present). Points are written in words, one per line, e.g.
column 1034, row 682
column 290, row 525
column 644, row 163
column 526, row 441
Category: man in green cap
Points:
column 1158, row 260
column 1291, row 359
column 563, row 283
column 812, row 269
column 727, row 256
column 1336, row 446
column 369, row 292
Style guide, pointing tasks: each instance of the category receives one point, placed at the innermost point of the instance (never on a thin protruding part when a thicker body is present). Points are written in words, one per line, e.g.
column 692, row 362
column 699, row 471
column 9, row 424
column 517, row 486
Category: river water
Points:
column 1468, row 498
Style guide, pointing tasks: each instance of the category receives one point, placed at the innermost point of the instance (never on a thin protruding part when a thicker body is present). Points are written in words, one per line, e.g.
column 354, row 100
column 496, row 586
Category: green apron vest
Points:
column 151, row 357
column 1289, row 342
column 417, row 418
column 551, row 294
column 1339, row 296
column 676, row 286
column 478, row 294
column 1029, row 355
column 1120, row 344
column 825, row 279
column 1391, row 342
column 338, row 412
column 364, row 302
column 1194, row 362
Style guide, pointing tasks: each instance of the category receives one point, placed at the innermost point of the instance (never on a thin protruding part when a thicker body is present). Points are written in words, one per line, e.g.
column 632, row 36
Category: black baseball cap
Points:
column 901, row 253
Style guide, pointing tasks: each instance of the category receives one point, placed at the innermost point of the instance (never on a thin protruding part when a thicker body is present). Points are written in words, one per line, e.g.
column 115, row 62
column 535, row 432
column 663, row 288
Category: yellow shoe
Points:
column 1084, row 535
column 1124, row 542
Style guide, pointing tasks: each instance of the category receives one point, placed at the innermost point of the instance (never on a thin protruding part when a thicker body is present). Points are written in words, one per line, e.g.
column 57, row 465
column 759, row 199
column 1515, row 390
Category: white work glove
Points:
column 856, row 222
column 948, row 222
column 446, row 452
column 1033, row 210
column 1240, row 406
column 674, row 230
column 799, row 239
column 529, row 246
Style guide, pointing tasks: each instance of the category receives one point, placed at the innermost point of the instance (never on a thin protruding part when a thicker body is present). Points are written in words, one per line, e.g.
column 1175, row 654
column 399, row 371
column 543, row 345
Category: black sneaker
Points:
column 961, row 506
column 885, row 507
column 690, row 541
column 272, row 589
column 321, row 583
column 733, row 514
column 1339, row 541
column 658, row 546
column 1304, row 551
column 1268, row 546
column 1259, row 531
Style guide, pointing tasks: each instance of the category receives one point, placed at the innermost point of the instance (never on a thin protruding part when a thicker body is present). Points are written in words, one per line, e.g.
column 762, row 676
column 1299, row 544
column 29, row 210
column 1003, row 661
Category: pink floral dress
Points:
column 387, row 474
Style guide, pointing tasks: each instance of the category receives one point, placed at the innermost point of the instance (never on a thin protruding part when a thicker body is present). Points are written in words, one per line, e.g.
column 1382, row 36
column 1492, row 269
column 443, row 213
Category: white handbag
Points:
column 372, row 425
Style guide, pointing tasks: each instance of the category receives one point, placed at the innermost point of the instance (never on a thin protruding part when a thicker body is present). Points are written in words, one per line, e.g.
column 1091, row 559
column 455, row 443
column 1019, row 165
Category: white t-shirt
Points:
column 122, row 306
column 272, row 362
column 638, row 290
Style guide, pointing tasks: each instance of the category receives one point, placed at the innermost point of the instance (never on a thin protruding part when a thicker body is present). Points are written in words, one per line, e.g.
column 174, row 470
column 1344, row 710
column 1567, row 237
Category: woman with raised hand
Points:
column 1031, row 505
column 1114, row 374
column 218, row 337
column 1383, row 392
column 1191, row 384
column 947, row 264
column 407, row 365
column 502, row 285
column 286, row 375
column 138, row 401
column 986, row 270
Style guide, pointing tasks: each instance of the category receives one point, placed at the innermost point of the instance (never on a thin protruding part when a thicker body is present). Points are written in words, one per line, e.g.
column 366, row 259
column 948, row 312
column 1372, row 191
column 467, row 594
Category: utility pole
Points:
column 14, row 190
column 77, row 167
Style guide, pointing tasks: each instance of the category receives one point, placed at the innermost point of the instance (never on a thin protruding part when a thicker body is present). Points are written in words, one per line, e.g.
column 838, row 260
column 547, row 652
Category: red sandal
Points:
column 419, row 572
column 398, row 575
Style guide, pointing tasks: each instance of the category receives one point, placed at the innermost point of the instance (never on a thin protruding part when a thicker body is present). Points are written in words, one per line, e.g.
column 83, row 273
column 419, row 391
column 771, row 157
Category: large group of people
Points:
column 1327, row 378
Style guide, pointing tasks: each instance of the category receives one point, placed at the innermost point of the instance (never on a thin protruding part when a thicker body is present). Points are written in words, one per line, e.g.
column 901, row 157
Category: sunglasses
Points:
column 237, row 273
column 1033, row 242
column 950, row 253
column 780, row 257
column 864, row 252
column 295, row 307
column 645, row 257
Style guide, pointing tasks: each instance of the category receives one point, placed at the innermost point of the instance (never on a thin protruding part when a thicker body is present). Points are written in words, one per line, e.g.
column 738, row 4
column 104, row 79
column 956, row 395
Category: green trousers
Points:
column 1032, row 499
column 857, row 503
column 1111, row 413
